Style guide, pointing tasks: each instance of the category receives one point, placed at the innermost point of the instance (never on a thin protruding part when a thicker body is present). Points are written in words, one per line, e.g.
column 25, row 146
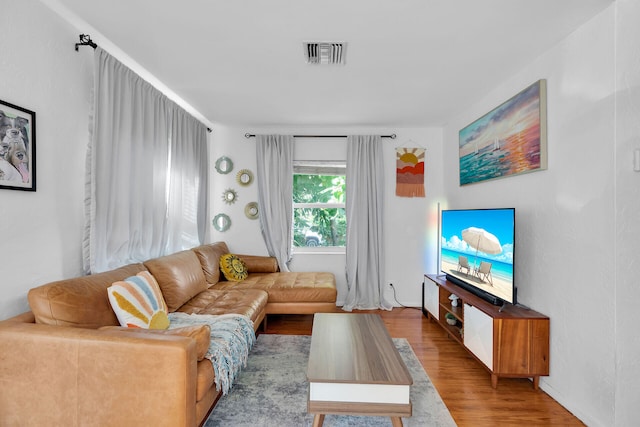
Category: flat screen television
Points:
column 477, row 251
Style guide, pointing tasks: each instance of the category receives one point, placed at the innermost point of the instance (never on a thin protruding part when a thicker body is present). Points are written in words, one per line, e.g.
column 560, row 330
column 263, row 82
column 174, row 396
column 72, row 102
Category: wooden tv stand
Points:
column 510, row 341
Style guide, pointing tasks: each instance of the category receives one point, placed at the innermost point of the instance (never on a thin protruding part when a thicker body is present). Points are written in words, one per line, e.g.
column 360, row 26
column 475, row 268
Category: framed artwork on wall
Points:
column 509, row 140
column 17, row 148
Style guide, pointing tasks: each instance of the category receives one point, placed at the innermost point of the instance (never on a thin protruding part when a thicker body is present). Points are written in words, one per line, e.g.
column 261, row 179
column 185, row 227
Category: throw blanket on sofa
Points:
column 232, row 336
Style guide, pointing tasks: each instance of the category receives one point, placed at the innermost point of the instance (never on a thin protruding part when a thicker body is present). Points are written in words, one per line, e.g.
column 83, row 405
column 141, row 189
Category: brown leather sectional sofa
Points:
column 67, row 362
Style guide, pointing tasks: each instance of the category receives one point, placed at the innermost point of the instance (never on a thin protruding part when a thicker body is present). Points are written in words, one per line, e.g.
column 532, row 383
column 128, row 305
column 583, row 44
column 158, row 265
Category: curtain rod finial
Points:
column 85, row 40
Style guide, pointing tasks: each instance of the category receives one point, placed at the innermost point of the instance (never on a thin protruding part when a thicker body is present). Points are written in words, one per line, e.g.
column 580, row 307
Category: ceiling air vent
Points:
column 324, row 52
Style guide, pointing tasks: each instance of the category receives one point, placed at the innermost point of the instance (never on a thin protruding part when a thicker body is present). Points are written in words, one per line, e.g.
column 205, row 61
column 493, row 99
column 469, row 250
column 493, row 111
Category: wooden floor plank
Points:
column 463, row 384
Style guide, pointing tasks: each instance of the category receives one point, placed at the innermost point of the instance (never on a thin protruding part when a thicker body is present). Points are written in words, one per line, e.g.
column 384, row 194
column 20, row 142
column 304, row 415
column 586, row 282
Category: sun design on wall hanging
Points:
column 410, row 155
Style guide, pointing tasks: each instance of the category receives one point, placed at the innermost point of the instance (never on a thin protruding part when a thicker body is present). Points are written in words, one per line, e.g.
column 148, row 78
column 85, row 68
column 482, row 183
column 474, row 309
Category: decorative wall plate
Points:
column 244, row 177
column 224, row 165
column 229, row 196
column 251, row 210
column 221, row 222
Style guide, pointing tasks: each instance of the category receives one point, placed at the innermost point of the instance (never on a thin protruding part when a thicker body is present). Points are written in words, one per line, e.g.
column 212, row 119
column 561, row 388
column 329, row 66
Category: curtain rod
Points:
column 85, row 40
column 392, row 136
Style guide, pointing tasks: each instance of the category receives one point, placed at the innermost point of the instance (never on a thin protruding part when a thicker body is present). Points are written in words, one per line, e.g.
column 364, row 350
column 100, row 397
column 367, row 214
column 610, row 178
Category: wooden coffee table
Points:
column 355, row 369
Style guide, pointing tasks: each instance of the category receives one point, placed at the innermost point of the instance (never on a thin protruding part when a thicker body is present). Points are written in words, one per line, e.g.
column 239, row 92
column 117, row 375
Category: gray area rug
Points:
column 272, row 390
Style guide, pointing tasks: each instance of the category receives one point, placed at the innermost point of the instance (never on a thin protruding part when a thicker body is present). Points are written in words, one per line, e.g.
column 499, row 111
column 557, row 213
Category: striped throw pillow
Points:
column 138, row 303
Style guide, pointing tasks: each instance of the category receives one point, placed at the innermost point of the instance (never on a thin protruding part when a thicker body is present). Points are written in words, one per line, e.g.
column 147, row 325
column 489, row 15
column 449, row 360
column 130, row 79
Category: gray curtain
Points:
column 364, row 205
column 274, row 155
column 146, row 184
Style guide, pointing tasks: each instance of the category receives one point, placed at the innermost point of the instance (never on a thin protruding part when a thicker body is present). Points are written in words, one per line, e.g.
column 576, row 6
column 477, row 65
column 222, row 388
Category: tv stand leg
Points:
column 536, row 381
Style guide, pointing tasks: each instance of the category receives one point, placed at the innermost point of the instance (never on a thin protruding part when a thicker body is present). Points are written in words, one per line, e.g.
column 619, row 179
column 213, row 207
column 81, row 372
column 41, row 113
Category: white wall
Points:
column 565, row 216
column 627, row 211
column 410, row 223
column 42, row 231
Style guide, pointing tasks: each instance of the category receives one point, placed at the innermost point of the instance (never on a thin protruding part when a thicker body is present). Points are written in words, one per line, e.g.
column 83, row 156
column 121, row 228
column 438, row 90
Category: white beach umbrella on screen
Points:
column 482, row 241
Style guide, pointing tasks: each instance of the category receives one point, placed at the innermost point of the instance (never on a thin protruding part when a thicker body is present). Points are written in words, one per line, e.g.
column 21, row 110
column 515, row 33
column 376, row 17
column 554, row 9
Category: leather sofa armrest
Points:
column 260, row 264
column 54, row 375
column 26, row 317
column 200, row 333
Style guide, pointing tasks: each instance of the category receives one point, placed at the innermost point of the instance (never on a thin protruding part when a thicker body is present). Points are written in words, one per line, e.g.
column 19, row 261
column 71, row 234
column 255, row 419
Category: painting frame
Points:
column 17, row 147
column 509, row 140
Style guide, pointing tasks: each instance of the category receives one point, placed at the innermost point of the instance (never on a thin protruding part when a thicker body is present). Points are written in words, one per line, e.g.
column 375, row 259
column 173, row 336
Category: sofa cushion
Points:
column 79, row 302
column 209, row 257
column 289, row 287
column 260, row 264
column 138, row 302
column 248, row 302
column 233, row 268
column 206, row 378
column 180, row 277
column 200, row 333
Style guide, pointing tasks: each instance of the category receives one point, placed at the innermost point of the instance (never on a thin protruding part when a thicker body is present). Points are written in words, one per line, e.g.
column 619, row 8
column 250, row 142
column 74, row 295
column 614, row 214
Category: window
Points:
column 319, row 218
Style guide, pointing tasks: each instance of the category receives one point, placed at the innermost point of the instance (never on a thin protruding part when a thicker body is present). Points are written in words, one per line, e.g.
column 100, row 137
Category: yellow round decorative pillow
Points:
column 233, row 268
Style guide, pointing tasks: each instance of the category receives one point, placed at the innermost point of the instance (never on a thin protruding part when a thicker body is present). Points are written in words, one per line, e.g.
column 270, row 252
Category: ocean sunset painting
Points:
column 509, row 140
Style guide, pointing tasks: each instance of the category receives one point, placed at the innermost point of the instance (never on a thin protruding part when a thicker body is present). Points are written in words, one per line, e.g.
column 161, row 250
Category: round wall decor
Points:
column 221, row 222
column 244, row 177
column 229, row 196
column 251, row 210
column 224, row 165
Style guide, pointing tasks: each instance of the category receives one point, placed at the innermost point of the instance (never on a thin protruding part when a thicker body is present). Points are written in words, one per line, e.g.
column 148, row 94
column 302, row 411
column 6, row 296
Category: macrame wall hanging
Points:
column 410, row 172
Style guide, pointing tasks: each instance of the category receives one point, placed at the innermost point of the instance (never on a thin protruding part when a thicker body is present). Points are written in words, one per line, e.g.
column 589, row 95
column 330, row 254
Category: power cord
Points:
column 398, row 302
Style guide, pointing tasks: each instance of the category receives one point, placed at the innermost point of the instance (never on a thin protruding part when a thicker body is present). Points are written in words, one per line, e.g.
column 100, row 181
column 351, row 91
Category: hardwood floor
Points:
column 463, row 384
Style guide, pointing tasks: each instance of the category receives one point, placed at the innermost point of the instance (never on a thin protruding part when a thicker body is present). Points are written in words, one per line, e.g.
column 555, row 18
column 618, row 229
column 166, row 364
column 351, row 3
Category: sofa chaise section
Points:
column 289, row 292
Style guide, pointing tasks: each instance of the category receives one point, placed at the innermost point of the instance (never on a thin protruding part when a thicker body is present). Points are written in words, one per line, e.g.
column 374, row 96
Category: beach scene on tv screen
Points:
column 477, row 247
